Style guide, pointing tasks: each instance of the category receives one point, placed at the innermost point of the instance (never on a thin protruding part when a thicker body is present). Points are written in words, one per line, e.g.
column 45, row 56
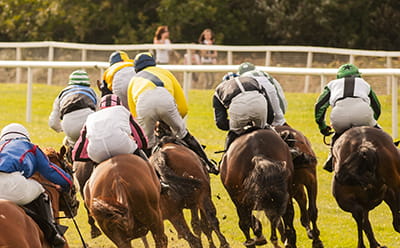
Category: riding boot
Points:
column 196, row 147
column 43, row 216
column 230, row 137
column 164, row 186
column 328, row 166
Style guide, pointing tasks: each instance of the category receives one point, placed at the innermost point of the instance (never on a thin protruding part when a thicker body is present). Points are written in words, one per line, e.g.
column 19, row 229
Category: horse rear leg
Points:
column 179, row 222
column 290, row 232
column 363, row 224
column 301, row 199
column 392, row 199
column 210, row 223
column 311, row 187
column 245, row 222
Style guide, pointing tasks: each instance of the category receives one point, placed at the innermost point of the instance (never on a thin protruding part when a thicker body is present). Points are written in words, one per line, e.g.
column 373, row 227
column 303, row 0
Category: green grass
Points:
column 338, row 230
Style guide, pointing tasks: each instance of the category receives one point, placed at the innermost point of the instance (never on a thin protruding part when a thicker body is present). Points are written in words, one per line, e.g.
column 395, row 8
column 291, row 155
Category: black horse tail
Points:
column 181, row 188
column 266, row 186
column 360, row 167
column 113, row 210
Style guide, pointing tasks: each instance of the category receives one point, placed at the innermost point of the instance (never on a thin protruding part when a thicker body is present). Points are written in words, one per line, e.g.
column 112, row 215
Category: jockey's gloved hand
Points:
column 326, row 131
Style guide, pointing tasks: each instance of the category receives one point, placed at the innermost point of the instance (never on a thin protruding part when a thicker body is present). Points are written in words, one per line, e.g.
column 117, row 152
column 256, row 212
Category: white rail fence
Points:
column 263, row 55
column 393, row 74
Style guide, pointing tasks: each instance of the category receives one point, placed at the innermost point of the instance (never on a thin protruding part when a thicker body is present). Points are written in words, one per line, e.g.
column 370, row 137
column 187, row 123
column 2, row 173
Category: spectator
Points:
column 208, row 56
column 117, row 77
column 353, row 102
column 162, row 37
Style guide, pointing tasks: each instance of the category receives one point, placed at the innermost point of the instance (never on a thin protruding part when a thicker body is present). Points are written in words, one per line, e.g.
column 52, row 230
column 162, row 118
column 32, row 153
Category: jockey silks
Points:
column 76, row 97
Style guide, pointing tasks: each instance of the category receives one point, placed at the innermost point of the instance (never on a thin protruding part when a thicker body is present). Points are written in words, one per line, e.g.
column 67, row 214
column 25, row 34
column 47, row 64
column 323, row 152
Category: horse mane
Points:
column 180, row 187
column 266, row 186
column 360, row 167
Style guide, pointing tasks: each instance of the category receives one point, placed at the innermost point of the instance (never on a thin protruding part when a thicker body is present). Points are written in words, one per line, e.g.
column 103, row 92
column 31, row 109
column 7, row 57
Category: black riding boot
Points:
column 196, row 147
column 230, row 137
column 164, row 185
column 41, row 213
column 328, row 166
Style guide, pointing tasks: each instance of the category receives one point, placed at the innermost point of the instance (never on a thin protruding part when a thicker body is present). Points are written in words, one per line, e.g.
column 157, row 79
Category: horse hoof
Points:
column 260, row 240
column 95, row 233
column 309, row 234
column 317, row 244
column 250, row 243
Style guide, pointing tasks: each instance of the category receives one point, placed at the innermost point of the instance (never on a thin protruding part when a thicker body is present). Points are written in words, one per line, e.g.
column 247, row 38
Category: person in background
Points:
column 19, row 160
column 244, row 101
column 162, row 37
column 271, row 86
column 208, row 57
column 353, row 103
column 154, row 94
column 72, row 106
column 117, row 77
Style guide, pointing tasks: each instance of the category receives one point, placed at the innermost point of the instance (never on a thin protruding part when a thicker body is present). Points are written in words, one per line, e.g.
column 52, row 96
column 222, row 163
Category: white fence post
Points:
column 50, row 70
column 18, row 72
column 395, row 133
column 29, row 96
column 307, row 77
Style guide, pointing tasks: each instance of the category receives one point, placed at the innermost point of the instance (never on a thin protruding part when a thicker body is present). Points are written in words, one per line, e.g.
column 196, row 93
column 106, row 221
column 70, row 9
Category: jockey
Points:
column 353, row 102
column 117, row 77
column 110, row 131
column 72, row 106
column 244, row 100
column 155, row 94
column 19, row 160
column 272, row 87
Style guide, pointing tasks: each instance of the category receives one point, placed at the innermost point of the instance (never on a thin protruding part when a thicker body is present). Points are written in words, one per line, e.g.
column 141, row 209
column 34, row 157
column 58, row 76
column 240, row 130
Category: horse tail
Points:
column 114, row 210
column 266, row 186
column 180, row 187
column 360, row 167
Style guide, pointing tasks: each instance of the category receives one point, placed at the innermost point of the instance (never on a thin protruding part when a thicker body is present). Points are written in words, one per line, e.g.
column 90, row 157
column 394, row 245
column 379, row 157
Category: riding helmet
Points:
column 109, row 101
column 347, row 70
column 245, row 67
column 13, row 131
column 118, row 56
column 143, row 60
column 79, row 77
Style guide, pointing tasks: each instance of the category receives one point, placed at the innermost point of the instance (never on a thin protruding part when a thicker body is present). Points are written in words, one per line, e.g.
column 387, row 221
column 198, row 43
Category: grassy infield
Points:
column 337, row 227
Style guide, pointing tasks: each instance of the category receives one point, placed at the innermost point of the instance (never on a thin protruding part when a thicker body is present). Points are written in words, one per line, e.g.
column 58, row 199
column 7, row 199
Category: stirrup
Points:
column 212, row 167
column 328, row 166
column 164, row 187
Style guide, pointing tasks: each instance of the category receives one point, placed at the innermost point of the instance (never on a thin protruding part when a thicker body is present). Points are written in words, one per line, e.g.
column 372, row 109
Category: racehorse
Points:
column 189, row 188
column 367, row 172
column 123, row 195
column 304, row 176
column 20, row 230
column 257, row 173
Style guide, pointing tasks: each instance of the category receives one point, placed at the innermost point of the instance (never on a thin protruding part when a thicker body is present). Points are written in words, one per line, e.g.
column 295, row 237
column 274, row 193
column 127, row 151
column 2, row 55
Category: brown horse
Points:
column 123, row 195
column 189, row 188
column 20, row 230
column 367, row 172
column 304, row 178
column 257, row 173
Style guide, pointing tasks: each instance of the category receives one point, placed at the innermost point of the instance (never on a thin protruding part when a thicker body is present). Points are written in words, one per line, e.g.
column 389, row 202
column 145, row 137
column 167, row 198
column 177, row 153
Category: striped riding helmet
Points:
column 119, row 56
column 13, row 131
column 109, row 101
column 79, row 77
column 143, row 60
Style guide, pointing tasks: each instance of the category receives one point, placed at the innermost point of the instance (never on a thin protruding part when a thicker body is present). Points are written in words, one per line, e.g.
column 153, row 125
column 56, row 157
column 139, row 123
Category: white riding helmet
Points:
column 13, row 131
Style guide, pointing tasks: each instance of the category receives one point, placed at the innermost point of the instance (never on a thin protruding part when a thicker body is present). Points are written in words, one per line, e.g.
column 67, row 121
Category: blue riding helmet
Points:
column 143, row 60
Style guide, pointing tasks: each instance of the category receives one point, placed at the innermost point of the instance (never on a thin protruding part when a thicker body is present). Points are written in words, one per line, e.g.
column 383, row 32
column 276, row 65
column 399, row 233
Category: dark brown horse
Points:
column 304, row 178
column 123, row 195
column 367, row 172
column 20, row 230
column 190, row 189
column 257, row 173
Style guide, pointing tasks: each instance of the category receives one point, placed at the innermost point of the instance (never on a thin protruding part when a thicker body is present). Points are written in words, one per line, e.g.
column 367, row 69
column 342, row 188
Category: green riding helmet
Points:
column 347, row 70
